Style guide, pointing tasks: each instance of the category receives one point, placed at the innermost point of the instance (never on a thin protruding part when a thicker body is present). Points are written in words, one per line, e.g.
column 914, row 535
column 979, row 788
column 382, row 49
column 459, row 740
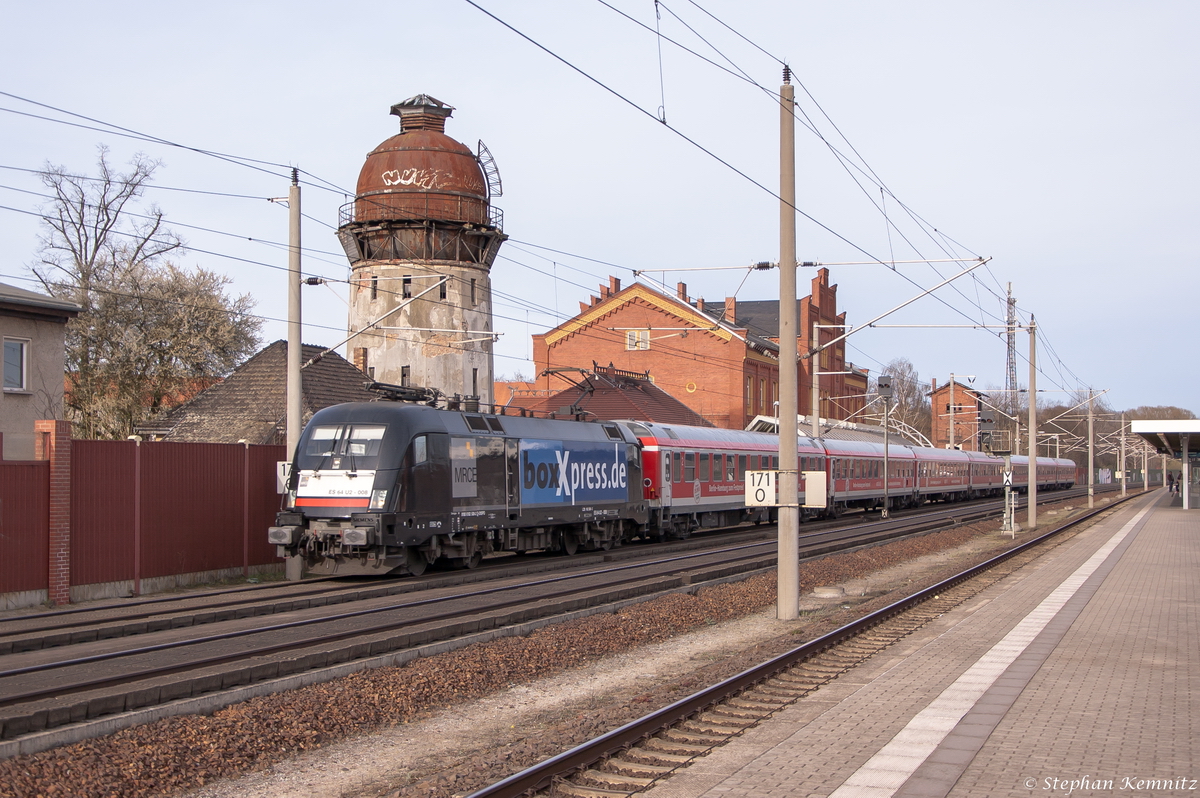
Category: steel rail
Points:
column 861, row 533
column 542, row 775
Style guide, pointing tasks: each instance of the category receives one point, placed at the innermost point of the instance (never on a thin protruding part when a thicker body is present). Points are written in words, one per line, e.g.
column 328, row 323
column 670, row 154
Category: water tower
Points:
column 421, row 236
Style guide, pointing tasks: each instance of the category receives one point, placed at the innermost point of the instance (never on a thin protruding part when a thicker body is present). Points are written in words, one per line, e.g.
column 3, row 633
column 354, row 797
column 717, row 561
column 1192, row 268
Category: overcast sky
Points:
column 1056, row 138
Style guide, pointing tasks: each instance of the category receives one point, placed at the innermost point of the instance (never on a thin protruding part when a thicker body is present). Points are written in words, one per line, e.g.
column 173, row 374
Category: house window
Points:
column 16, row 356
column 637, row 339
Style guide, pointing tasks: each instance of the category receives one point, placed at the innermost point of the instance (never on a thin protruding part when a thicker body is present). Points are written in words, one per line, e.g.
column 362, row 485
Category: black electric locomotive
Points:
column 379, row 486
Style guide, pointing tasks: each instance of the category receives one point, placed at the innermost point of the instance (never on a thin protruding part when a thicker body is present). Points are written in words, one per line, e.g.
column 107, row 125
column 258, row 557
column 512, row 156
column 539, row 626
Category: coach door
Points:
column 512, row 477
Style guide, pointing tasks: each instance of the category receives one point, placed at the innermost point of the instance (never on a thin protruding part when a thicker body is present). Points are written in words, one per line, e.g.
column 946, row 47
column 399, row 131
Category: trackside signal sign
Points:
column 760, row 488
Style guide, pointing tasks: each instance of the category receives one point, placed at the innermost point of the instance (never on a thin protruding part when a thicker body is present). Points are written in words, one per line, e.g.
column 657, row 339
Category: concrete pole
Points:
column 887, row 499
column 295, row 345
column 1185, row 475
column 788, row 580
column 1145, row 468
column 953, row 410
column 1091, row 453
column 1032, row 423
column 1123, row 479
column 294, row 566
column 816, row 385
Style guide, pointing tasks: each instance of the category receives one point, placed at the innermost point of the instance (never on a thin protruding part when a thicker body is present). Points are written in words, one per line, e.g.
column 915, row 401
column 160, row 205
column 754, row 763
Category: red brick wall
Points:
column 700, row 369
column 53, row 443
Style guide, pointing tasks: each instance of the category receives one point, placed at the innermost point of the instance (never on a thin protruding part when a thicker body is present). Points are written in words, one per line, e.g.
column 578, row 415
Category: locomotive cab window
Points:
column 345, row 447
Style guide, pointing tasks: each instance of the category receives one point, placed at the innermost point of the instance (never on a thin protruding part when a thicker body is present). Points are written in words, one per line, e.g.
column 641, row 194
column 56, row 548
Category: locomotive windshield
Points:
column 344, row 447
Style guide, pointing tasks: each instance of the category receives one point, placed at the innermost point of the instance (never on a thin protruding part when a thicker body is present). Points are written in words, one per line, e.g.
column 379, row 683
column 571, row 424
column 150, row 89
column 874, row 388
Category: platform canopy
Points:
column 1170, row 436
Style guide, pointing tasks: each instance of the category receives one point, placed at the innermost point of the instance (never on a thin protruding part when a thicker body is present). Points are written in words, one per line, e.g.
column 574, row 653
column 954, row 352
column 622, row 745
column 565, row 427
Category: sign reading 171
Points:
column 760, row 488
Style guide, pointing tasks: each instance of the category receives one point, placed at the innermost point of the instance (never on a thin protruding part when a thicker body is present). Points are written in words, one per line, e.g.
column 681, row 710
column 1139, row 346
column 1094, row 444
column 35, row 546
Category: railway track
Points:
column 633, row 757
column 76, row 668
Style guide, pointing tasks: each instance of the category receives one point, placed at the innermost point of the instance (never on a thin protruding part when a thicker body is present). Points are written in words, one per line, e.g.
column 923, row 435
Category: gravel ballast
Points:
column 265, row 734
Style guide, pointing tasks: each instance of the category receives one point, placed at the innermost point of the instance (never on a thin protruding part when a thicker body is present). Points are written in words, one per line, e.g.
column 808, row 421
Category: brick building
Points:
column 719, row 359
column 961, row 411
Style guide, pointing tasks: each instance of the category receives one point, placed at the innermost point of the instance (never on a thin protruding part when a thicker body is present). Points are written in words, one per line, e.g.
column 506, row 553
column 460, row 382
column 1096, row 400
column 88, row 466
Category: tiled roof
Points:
column 619, row 395
column 761, row 316
column 251, row 403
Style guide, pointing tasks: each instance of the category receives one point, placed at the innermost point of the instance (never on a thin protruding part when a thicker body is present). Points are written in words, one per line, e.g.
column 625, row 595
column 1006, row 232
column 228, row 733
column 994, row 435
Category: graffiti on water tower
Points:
column 421, row 178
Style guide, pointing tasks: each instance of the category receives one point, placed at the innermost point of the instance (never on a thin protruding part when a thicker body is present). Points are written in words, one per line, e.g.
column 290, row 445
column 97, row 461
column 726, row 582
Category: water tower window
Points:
column 472, row 292
column 406, row 287
column 474, row 382
column 442, row 289
column 405, row 375
column 374, row 287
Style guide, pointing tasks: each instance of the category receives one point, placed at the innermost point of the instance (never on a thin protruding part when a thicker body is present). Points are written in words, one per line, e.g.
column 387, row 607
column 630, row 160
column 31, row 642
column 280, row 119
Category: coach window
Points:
column 678, row 468
column 667, row 466
column 704, row 467
column 775, row 463
column 741, row 466
column 730, row 468
column 689, row 467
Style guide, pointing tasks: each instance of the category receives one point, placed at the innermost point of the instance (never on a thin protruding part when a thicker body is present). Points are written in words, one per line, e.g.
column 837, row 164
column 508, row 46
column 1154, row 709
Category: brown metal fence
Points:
column 141, row 511
column 24, row 526
column 102, row 511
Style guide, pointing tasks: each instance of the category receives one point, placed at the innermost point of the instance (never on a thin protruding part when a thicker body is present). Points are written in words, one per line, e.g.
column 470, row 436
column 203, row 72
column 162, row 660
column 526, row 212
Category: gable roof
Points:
column 685, row 311
column 251, row 403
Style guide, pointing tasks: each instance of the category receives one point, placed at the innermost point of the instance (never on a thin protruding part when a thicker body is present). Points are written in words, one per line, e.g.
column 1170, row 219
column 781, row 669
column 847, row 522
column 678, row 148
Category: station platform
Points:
column 1078, row 674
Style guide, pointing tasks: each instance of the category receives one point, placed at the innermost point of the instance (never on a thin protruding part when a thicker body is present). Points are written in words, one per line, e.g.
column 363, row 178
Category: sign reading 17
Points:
column 760, row 488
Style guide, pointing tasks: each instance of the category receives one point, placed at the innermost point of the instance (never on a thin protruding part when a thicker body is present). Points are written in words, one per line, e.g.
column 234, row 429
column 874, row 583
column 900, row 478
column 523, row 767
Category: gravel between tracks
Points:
column 451, row 723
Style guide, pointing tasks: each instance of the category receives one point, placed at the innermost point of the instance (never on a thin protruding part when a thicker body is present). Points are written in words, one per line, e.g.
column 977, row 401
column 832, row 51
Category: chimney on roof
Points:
column 681, row 291
column 604, row 292
column 731, row 309
column 934, row 385
column 614, row 284
column 700, row 304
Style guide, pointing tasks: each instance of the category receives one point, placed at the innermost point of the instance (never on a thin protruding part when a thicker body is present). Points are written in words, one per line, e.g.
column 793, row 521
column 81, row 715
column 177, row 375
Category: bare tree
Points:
column 909, row 402
column 150, row 330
